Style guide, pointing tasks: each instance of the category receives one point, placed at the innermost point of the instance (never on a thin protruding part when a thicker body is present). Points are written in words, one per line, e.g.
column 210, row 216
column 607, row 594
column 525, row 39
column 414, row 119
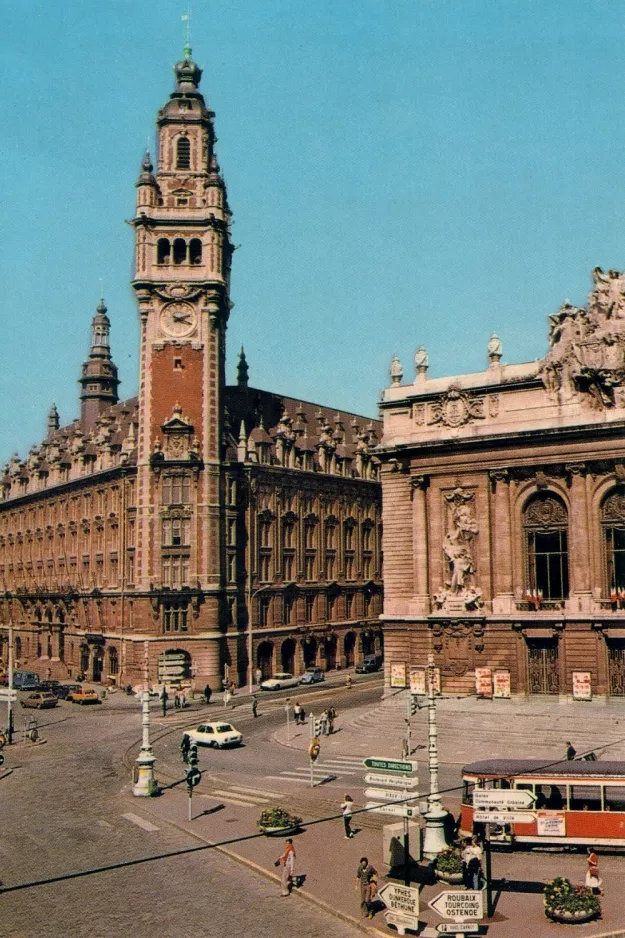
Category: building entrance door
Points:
column 616, row 668
column 543, row 666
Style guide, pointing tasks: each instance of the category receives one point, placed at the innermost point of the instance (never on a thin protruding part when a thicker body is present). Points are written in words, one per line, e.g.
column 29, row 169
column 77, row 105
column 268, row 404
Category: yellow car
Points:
column 84, row 696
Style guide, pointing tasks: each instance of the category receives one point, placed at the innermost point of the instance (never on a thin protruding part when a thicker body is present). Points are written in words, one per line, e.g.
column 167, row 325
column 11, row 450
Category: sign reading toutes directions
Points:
column 401, row 789
column 459, row 905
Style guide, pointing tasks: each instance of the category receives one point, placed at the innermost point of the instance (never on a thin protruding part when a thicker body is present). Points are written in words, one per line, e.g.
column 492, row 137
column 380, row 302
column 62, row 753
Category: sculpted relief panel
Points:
column 586, row 358
column 460, row 592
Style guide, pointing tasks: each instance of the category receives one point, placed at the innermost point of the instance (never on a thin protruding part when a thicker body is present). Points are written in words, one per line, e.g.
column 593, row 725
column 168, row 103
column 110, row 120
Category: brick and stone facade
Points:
column 210, row 521
column 504, row 511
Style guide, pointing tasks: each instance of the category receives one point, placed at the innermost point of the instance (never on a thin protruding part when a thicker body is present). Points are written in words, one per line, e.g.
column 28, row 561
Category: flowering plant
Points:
column 449, row 861
column 560, row 895
column 278, row 817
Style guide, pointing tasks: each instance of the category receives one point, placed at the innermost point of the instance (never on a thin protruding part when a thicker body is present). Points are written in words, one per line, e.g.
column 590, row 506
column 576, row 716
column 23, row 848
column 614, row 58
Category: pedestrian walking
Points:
column 324, row 723
column 348, row 682
column 593, row 880
column 346, row 811
column 472, row 856
column 164, row 699
column 570, row 752
column 185, row 745
column 297, row 713
column 331, row 719
column 208, row 692
column 365, row 873
column 226, row 696
column 254, row 706
column 287, row 861
column 258, row 675
column 176, row 701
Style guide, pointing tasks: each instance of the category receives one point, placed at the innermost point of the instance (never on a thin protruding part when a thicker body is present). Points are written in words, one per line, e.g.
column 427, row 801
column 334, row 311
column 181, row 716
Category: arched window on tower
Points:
column 183, row 153
column 163, row 251
column 545, row 521
column 613, row 525
column 180, row 251
column 195, row 251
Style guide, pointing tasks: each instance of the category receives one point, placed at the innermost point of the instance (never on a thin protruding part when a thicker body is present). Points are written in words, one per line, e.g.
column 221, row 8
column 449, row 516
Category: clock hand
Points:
column 181, row 317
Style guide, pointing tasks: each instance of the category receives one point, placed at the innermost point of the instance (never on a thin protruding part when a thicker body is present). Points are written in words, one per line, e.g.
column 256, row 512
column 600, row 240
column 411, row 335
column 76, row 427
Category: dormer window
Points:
column 183, row 153
column 180, row 203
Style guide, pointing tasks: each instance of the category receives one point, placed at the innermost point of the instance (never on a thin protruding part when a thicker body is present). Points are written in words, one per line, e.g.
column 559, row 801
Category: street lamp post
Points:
column 145, row 783
column 250, row 636
column 434, row 840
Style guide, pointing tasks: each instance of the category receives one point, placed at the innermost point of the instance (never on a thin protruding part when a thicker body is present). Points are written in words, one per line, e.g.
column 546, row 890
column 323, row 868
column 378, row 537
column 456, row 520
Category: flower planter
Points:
column 280, row 831
column 571, row 918
column 453, row 879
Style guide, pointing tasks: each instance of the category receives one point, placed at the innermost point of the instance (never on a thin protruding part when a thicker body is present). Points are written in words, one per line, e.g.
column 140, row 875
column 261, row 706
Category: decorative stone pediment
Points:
column 178, row 439
column 587, row 345
column 455, row 408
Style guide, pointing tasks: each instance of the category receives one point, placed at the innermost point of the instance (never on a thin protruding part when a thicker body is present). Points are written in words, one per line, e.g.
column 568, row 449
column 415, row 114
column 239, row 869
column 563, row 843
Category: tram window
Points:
column 467, row 795
column 585, row 798
column 551, row 797
column 614, row 798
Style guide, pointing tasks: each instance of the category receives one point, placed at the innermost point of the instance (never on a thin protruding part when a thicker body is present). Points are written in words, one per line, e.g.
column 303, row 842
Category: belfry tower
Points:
column 98, row 380
column 181, row 280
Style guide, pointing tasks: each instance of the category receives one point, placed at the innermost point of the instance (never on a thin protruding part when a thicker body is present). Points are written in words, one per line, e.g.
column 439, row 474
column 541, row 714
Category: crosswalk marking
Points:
column 256, row 791
column 140, row 822
column 243, row 799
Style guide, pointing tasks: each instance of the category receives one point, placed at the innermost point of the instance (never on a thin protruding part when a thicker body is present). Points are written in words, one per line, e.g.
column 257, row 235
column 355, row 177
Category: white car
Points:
column 215, row 734
column 278, row 681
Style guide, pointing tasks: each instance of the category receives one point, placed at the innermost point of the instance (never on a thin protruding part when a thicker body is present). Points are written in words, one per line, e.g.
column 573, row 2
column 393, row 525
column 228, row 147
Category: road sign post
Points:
column 401, row 792
column 402, row 903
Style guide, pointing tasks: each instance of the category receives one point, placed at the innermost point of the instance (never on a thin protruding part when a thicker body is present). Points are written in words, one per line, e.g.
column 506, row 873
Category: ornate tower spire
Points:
column 53, row 422
column 242, row 369
column 98, row 380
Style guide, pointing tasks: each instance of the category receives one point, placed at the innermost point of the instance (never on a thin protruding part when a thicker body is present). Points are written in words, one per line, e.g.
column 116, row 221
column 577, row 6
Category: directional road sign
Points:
column 514, row 798
column 459, row 904
column 398, row 810
column 391, row 781
column 389, row 765
column 401, row 900
column 457, row 928
column 504, row 817
column 6, row 694
column 382, row 794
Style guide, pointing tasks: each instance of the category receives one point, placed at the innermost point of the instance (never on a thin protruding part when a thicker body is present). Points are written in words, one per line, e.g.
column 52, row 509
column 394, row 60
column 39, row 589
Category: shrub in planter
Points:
column 449, row 865
column 565, row 902
column 278, row 819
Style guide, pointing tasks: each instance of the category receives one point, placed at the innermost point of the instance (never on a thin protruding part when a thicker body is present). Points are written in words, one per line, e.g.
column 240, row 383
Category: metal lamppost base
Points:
column 145, row 785
column 434, row 833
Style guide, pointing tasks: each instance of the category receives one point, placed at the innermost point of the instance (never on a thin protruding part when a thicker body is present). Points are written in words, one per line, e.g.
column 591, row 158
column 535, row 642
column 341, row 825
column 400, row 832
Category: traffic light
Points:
column 414, row 704
column 192, row 757
column 317, row 727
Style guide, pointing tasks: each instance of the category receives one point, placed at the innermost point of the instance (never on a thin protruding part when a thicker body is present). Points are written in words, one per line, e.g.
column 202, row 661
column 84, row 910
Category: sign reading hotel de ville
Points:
column 582, row 688
column 483, row 682
column 501, row 683
column 398, row 674
column 418, row 684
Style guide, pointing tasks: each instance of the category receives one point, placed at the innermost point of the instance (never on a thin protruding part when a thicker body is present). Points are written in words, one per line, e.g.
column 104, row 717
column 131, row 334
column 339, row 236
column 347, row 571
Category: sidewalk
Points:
column 468, row 729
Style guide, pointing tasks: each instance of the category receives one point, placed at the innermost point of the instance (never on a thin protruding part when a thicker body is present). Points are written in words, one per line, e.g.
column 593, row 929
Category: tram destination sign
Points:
column 511, row 798
column 389, row 765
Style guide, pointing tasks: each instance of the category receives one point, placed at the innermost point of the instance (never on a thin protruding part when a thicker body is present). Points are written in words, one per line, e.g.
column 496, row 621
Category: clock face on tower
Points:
column 178, row 319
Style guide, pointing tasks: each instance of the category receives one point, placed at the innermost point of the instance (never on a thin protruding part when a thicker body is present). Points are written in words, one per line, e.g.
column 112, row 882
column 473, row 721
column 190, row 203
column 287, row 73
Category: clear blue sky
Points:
column 401, row 172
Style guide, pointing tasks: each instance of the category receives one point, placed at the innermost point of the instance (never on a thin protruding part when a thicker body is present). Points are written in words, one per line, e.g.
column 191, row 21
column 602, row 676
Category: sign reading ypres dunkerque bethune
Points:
column 459, row 904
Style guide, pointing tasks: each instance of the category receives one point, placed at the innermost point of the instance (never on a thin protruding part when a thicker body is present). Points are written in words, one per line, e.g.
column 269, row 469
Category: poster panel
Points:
column 501, row 683
column 483, row 682
column 417, row 681
column 550, row 824
column 398, row 674
column 582, row 689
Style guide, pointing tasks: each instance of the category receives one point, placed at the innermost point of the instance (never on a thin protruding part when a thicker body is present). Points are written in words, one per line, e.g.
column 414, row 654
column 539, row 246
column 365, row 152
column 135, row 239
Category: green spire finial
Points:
column 186, row 19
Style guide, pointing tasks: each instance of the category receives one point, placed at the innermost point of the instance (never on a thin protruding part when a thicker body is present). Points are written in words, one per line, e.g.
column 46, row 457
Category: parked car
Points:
column 312, row 676
column 25, row 680
column 84, row 696
column 278, row 681
column 41, row 700
column 64, row 690
column 215, row 734
column 369, row 664
column 50, row 686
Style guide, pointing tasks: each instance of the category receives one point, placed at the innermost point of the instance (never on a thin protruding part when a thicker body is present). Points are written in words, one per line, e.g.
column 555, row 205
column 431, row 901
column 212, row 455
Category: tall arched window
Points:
column 195, row 251
column 613, row 525
column 183, row 153
column 163, row 251
column 180, row 251
column 545, row 522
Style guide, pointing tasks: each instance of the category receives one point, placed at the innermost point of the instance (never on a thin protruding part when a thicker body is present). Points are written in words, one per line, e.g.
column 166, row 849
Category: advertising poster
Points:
column 483, row 682
column 398, row 674
column 582, row 689
column 417, row 681
column 501, row 683
column 549, row 824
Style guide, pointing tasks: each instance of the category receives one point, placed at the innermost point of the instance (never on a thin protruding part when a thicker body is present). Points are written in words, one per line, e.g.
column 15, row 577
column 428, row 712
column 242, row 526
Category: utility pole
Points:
column 10, row 694
column 145, row 784
column 434, row 840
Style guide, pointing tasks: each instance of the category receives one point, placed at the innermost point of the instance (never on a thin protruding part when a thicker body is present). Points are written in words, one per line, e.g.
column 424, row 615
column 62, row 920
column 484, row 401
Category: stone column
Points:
column 418, row 486
column 501, row 543
column 578, row 539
